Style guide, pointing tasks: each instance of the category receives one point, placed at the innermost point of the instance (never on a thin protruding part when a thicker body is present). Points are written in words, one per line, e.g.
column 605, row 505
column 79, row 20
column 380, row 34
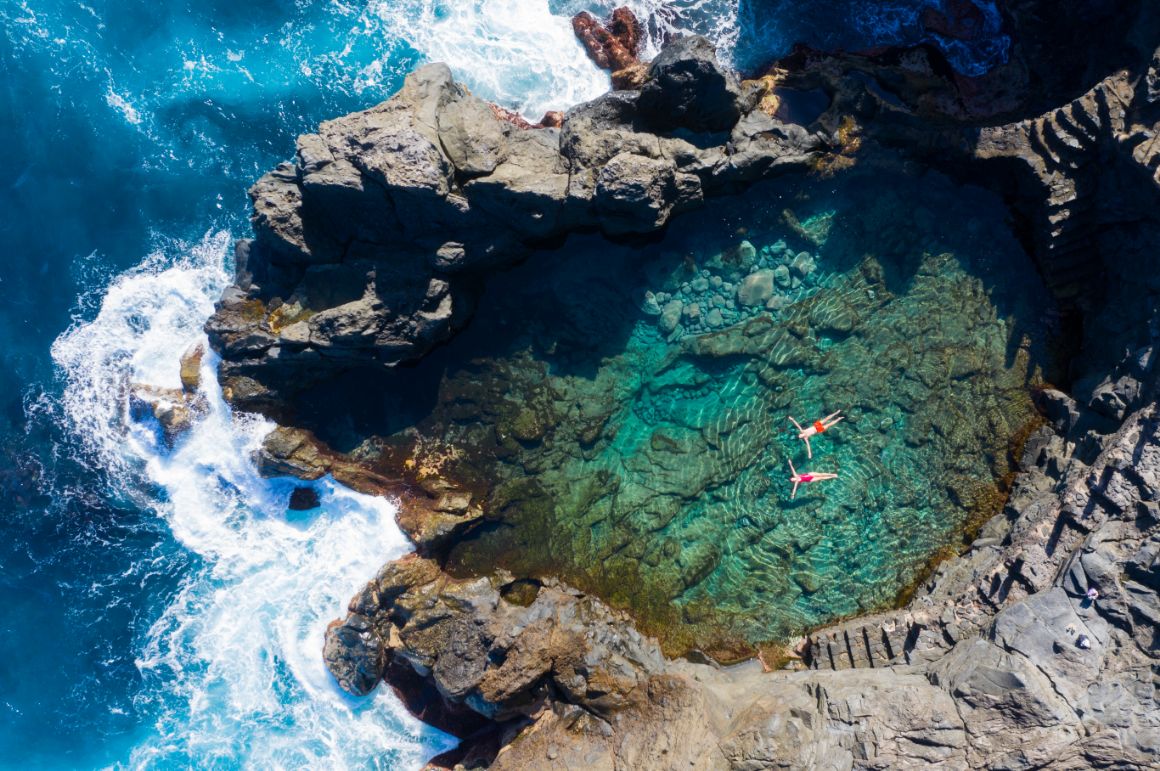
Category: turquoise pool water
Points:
column 636, row 415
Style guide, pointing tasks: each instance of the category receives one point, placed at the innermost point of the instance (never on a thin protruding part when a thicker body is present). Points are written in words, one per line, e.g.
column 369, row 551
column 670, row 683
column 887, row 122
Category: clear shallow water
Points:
column 159, row 608
column 635, row 420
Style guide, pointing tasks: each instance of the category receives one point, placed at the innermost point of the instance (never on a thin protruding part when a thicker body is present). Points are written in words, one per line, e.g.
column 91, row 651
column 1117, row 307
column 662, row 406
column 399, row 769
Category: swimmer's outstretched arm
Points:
column 794, row 493
column 803, row 437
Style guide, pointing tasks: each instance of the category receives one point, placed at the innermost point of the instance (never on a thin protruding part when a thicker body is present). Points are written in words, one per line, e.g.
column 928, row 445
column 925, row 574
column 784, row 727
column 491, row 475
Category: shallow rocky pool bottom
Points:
column 623, row 410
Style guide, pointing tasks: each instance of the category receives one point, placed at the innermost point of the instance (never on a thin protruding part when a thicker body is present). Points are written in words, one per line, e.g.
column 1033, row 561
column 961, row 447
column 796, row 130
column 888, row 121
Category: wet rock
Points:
column 354, row 654
column 612, row 46
column 303, row 499
column 175, row 410
column 291, row 452
column 191, row 368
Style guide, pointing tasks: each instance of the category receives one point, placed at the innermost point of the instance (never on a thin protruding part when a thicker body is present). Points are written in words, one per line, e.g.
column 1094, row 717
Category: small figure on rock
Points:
column 806, row 478
column 1093, row 594
column 1083, row 641
column 818, row 427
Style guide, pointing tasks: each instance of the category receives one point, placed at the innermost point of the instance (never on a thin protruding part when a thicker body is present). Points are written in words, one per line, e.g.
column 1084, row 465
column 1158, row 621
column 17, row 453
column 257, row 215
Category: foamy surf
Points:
column 516, row 53
column 662, row 19
column 233, row 665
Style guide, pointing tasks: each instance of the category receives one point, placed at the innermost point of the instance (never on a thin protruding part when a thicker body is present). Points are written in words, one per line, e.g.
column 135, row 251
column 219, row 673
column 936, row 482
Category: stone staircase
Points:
column 881, row 640
column 1067, row 149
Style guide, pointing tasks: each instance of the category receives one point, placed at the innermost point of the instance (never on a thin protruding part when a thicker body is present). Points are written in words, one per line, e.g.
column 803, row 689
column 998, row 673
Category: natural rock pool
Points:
column 624, row 409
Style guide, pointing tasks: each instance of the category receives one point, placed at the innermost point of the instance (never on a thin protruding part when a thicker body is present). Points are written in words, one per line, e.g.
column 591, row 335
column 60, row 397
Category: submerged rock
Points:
column 756, row 288
column 303, row 499
column 803, row 264
column 671, row 315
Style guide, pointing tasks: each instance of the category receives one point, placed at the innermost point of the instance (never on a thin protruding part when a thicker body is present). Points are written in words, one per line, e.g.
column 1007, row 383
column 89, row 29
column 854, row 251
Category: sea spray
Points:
column 233, row 665
column 513, row 52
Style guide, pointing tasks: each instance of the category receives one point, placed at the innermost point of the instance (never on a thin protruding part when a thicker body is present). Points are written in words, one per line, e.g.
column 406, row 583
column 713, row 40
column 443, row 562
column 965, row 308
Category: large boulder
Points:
column 688, row 89
column 354, row 654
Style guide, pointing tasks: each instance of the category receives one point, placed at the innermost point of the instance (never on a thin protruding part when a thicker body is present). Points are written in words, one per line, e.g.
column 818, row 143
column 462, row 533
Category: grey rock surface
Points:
column 406, row 206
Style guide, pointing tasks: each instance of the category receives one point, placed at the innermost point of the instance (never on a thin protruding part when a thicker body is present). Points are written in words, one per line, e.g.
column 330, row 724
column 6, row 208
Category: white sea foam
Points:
column 233, row 666
column 514, row 52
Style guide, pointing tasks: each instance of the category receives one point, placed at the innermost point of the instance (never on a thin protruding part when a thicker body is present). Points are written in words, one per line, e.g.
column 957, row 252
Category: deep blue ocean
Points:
column 158, row 607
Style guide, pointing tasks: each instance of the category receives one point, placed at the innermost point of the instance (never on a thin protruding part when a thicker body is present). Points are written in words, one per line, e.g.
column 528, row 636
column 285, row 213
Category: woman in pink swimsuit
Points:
column 806, row 478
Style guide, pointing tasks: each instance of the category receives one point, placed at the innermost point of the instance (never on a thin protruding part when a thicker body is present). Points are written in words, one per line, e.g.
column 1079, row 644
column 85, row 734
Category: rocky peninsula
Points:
column 387, row 314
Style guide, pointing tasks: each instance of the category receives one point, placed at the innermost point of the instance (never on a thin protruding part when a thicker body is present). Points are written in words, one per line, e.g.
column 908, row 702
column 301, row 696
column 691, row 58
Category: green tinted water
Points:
column 638, row 447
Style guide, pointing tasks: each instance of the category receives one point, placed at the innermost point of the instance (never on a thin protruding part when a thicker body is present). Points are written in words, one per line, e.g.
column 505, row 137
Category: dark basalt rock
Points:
column 354, row 655
column 370, row 247
column 303, row 499
column 687, row 88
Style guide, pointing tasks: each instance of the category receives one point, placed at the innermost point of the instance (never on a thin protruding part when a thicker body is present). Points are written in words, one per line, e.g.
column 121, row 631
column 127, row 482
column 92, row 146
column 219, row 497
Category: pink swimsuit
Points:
column 806, row 477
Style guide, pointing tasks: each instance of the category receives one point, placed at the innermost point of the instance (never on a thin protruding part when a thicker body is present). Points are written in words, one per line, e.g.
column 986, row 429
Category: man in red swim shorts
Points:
column 818, row 427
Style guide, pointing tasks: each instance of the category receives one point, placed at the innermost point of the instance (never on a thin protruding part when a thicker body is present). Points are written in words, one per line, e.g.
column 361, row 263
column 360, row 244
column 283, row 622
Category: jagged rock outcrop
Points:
column 614, row 45
column 370, row 246
column 1079, row 176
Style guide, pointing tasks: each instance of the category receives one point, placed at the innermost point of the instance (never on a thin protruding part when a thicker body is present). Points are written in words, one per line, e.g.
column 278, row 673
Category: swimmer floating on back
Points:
column 818, row 427
column 806, row 478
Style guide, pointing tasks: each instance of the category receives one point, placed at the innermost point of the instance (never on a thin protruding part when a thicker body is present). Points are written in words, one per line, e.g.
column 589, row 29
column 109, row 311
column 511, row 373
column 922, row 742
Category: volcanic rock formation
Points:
column 371, row 248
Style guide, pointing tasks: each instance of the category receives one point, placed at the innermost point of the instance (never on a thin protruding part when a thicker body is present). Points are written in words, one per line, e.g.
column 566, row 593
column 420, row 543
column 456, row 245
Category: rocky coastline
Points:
column 374, row 247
